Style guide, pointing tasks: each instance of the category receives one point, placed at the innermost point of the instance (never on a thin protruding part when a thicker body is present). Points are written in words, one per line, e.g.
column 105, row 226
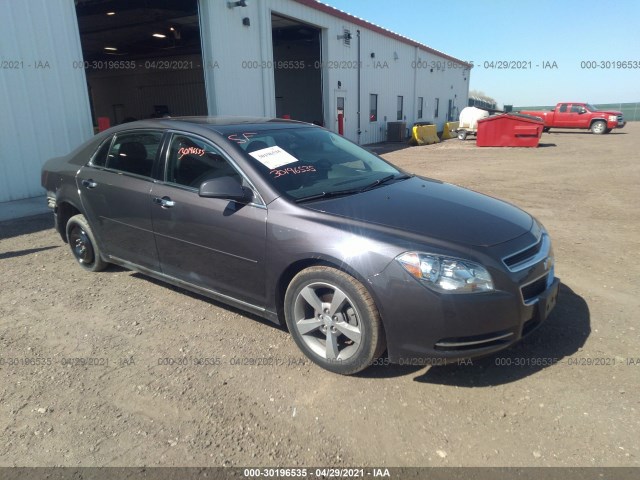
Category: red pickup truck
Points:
column 580, row 115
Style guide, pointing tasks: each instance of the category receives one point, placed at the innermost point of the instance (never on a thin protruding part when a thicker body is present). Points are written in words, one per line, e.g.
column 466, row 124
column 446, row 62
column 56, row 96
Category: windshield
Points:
column 591, row 108
column 309, row 163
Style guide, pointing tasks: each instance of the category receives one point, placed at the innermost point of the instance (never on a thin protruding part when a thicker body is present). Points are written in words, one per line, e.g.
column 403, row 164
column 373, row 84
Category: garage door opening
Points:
column 142, row 59
column 297, row 70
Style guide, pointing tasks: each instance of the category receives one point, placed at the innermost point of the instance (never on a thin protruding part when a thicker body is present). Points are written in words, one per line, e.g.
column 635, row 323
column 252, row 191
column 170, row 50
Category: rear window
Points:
column 134, row 152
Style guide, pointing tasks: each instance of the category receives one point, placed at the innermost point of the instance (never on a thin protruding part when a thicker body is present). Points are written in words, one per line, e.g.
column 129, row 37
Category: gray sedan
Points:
column 303, row 227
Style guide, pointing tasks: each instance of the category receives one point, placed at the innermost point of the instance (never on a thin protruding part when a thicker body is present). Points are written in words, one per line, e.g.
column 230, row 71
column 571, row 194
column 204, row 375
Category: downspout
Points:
column 359, row 66
column 415, row 87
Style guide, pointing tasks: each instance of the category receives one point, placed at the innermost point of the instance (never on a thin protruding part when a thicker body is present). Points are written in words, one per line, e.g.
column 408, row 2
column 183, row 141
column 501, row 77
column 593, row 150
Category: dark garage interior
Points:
column 297, row 69
column 143, row 58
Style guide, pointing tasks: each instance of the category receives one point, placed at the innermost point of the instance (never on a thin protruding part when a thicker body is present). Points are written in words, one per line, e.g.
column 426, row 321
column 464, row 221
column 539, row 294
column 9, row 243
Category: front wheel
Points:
column 462, row 135
column 83, row 244
column 333, row 320
column 598, row 127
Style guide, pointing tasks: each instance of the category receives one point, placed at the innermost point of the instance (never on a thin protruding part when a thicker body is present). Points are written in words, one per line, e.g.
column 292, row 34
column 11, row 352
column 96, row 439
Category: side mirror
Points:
column 225, row 187
column 582, row 110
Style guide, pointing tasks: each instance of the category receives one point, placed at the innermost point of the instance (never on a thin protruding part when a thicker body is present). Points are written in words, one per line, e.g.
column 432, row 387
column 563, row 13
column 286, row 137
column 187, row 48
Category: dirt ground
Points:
column 170, row 380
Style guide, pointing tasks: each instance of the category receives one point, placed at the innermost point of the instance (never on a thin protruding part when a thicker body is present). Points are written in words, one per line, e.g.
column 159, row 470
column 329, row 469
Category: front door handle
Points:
column 89, row 183
column 164, row 202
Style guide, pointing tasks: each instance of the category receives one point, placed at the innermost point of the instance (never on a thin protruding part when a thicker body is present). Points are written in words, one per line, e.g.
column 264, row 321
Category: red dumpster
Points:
column 509, row 130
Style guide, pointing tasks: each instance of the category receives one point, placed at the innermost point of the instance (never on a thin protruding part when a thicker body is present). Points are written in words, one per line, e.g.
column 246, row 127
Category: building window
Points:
column 420, row 104
column 373, row 107
column 437, row 106
column 400, row 101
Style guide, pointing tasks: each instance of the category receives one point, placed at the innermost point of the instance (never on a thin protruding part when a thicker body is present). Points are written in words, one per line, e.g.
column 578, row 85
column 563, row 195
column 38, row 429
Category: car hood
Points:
column 433, row 209
column 609, row 112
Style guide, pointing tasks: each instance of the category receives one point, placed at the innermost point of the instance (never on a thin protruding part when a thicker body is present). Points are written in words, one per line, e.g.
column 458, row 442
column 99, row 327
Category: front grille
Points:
column 523, row 256
column 531, row 291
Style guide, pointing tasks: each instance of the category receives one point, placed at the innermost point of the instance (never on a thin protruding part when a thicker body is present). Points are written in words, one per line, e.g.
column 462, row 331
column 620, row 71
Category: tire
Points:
column 83, row 244
column 546, row 129
column 343, row 335
column 462, row 135
column 598, row 127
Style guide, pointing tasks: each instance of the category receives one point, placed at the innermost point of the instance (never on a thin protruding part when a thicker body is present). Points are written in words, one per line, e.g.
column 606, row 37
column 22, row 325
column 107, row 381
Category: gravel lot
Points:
column 171, row 381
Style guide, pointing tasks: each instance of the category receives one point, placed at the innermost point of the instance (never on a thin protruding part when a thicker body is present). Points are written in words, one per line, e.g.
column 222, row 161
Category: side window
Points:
column 134, row 152
column 373, row 107
column 192, row 161
column 99, row 159
column 563, row 107
column 576, row 108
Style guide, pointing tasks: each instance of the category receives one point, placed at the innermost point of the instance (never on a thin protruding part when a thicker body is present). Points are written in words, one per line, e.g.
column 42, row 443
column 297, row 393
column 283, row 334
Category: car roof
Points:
column 220, row 124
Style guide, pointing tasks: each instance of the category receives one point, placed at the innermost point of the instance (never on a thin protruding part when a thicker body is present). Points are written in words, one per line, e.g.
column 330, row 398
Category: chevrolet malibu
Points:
column 303, row 227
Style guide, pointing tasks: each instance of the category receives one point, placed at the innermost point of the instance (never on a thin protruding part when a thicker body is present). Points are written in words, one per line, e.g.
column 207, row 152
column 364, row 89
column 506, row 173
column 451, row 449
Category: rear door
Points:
column 115, row 189
column 213, row 243
column 562, row 116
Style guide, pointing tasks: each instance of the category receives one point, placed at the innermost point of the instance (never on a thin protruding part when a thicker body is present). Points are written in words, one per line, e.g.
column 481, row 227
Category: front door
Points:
column 209, row 242
column 115, row 192
column 577, row 116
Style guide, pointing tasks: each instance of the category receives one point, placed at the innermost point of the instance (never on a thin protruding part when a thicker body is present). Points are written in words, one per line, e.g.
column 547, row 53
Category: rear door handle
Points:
column 164, row 202
column 89, row 183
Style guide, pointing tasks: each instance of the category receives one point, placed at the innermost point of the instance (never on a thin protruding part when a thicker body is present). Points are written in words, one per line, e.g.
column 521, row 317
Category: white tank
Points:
column 469, row 117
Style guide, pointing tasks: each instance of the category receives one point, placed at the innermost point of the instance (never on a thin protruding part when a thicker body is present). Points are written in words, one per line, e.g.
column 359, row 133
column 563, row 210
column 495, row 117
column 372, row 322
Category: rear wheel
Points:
column 83, row 244
column 333, row 320
column 598, row 127
column 462, row 135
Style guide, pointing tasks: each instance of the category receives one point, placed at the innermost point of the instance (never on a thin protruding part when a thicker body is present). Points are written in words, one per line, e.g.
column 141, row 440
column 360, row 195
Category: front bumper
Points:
column 427, row 328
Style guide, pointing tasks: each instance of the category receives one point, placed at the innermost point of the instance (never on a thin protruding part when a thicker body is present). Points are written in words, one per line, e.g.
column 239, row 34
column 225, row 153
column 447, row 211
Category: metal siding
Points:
column 226, row 46
column 45, row 111
column 235, row 90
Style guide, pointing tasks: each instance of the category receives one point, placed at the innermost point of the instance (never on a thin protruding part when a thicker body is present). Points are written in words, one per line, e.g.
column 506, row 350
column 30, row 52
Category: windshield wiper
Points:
column 382, row 180
column 352, row 191
column 335, row 193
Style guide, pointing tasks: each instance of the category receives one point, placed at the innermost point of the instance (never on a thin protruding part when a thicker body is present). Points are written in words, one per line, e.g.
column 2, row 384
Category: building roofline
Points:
column 334, row 12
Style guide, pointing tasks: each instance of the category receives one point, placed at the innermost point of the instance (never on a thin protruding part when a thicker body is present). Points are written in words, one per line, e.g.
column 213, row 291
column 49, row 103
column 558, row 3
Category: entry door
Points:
column 115, row 191
column 450, row 111
column 340, row 118
column 212, row 243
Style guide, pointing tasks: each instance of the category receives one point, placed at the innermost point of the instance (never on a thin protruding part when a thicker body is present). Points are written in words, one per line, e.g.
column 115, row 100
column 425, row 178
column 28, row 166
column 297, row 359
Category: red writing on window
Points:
column 190, row 151
column 292, row 170
column 241, row 138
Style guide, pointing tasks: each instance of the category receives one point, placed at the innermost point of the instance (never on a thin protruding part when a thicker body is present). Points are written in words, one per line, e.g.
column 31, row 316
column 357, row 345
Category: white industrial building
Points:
column 68, row 66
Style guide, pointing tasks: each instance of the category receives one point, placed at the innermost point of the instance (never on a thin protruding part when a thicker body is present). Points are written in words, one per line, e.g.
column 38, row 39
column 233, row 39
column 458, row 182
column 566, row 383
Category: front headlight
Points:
column 446, row 274
column 613, row 118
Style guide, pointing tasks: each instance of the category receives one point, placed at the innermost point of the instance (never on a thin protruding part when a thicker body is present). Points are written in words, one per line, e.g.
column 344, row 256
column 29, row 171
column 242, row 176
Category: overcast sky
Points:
column 532, row 32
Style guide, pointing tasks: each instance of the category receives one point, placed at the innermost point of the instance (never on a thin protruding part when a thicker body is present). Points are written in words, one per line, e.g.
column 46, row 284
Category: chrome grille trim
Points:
column 543, row 252
column 475, row 342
